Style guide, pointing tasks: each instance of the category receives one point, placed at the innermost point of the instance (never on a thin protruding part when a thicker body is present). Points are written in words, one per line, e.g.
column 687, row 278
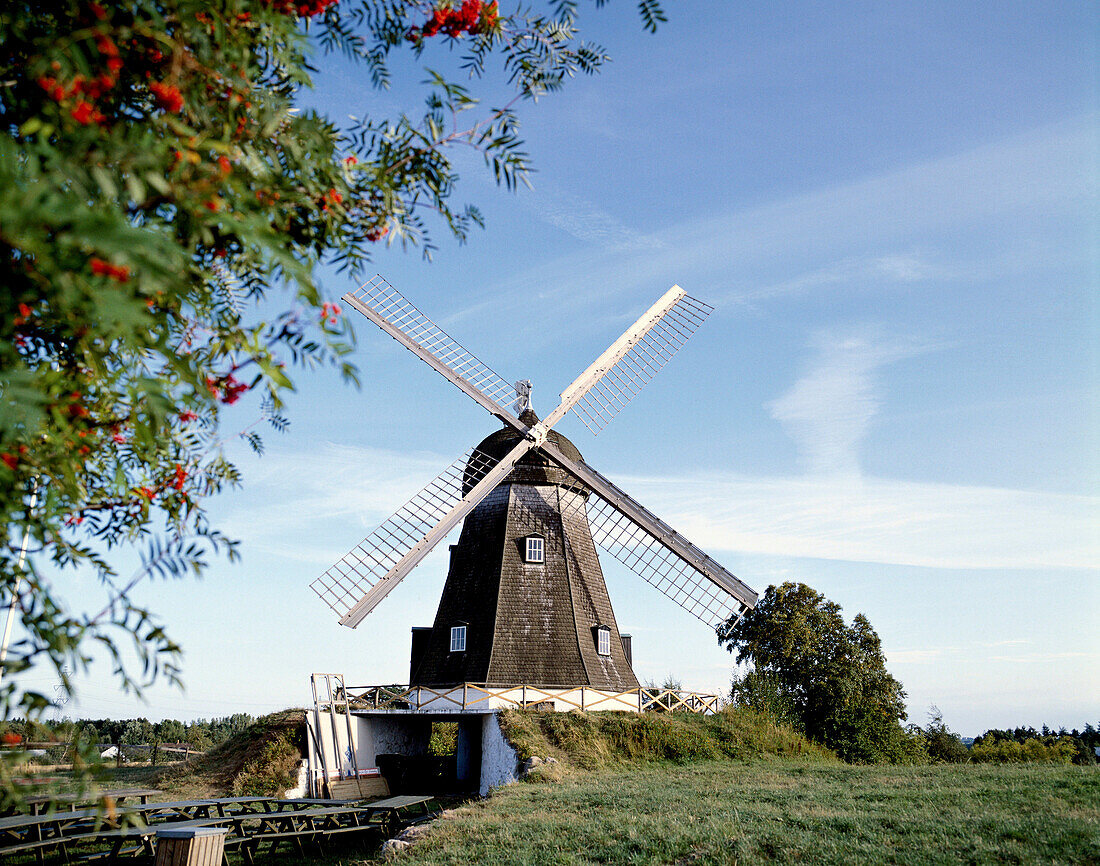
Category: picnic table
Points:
column 40, row 803
column 250, row 821
column 225, row 806
column 51, row 830
column 394, row 814
column 247, row 831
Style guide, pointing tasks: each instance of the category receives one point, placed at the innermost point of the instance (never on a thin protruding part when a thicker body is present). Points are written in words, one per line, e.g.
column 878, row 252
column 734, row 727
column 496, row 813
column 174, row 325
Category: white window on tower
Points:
column 603, row 640
column 458, row 639
column 536, row 549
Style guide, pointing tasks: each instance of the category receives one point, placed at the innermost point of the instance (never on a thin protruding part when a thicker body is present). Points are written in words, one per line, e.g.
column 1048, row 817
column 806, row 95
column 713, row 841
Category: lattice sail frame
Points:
column 395, row 308
column 358, row 574
column 644, row 554
column 644, row 360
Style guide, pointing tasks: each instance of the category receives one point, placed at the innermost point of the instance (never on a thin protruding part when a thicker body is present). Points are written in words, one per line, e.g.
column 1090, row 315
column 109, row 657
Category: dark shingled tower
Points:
column 526, row 623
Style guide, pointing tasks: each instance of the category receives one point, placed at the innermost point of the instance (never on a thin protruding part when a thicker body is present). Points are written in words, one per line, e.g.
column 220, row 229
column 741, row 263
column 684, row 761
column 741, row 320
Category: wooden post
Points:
column 196, row 846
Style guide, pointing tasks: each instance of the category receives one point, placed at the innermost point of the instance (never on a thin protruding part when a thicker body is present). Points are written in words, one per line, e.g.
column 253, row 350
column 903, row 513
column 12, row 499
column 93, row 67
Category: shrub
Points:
column 1059, row 751
column 942, row 744
column 596, row 739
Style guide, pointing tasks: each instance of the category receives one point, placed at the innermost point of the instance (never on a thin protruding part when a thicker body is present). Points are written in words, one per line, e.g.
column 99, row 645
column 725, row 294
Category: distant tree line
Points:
column 199, row 735
column 1027, row 744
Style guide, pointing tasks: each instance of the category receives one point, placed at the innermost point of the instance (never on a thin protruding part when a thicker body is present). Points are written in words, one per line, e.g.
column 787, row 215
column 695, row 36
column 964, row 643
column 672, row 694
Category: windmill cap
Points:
column 534, row 467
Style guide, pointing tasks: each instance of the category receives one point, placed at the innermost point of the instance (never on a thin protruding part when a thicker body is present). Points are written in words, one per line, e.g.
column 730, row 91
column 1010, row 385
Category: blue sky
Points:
column 894, row 212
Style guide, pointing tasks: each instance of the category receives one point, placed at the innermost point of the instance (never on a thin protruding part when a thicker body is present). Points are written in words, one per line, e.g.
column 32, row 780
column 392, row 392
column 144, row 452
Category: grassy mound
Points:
column 262, row 761
column 593, row 740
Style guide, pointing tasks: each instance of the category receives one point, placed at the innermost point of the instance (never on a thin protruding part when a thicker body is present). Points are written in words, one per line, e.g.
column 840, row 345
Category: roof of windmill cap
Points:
column 534, row 467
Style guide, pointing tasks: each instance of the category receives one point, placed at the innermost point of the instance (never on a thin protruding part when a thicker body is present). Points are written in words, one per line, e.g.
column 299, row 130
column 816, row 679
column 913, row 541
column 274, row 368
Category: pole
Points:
column 18, row 580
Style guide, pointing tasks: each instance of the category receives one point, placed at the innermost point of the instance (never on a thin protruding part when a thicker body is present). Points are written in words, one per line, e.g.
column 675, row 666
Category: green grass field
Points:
column 676, row 788
column 781, row 811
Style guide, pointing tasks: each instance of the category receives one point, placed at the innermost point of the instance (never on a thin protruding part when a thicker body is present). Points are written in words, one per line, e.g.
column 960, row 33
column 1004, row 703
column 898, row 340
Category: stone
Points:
column 393, row 848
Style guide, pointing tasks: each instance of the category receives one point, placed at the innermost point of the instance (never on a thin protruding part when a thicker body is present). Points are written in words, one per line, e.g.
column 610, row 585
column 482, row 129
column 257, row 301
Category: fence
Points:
column 480, row 696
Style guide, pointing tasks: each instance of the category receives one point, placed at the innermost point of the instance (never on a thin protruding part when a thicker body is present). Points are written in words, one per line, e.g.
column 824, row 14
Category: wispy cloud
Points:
column 587, row 222
column 879, row 520
column 829, row 409
column 866, row 231
column 871, row 273
column 916, row 656
column 1034, row 658
column 316, row 507
column 939, row 655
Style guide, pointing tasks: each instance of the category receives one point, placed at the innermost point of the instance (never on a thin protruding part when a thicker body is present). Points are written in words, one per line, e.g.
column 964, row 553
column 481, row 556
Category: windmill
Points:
column 525, row 600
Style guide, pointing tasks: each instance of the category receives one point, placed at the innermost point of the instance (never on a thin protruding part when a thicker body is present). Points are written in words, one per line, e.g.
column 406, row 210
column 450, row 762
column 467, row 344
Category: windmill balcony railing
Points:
column 467, row 697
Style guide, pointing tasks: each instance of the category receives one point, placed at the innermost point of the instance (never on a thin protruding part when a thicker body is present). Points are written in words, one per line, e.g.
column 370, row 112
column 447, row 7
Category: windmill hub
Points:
column 534, row 467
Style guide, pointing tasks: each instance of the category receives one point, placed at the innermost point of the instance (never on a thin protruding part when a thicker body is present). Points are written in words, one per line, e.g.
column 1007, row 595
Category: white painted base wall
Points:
column 406, row 733
column 499, row 761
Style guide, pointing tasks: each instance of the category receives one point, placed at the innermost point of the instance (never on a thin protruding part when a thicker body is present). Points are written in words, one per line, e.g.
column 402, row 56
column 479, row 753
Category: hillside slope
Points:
column 262, row 760
column 601, row 739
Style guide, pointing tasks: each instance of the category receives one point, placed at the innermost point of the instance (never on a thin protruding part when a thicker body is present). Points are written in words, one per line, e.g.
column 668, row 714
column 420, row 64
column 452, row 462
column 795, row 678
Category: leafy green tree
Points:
column 136, row 732
column 199, row 737
column 941, row 743
column 158, row 178
column 171, row 731
column 827, row 678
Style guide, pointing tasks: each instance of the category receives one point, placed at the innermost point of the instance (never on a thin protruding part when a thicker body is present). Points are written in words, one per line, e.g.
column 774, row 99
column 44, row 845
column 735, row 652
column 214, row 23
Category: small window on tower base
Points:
column 603, row 640
column 536, row 549
column 458, row 639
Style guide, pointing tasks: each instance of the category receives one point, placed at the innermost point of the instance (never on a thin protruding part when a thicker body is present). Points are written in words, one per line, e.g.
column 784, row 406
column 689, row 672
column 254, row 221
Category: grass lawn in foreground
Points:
column 781, row 811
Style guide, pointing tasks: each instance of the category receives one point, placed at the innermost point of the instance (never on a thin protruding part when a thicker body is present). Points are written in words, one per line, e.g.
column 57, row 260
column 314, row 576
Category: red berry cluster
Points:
column 82, row 92
column 472, row 16
column 226, row 389
column 121, row 273
column 303, row 8
column 333, row 196
column 168, row 97
column 330, row 312
column 25, row 312
column 12, row 460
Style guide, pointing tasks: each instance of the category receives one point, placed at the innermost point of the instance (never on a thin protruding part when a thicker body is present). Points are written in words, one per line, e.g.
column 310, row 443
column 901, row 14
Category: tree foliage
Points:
column 828, row 679
column 941, row 743
column 1027, row 744
column 159, row 177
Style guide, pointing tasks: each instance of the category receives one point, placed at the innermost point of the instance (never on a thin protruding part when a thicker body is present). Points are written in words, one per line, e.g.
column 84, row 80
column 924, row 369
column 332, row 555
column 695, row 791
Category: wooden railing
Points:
column 480, row 696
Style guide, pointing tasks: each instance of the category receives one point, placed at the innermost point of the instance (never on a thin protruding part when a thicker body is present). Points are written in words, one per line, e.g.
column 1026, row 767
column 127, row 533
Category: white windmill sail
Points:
column 365, row 575
column 394, row 313
column 635, row 358
column 654, row 550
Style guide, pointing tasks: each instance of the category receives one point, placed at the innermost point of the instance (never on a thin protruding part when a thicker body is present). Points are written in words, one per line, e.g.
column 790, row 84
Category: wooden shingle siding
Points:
column 527, row 623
